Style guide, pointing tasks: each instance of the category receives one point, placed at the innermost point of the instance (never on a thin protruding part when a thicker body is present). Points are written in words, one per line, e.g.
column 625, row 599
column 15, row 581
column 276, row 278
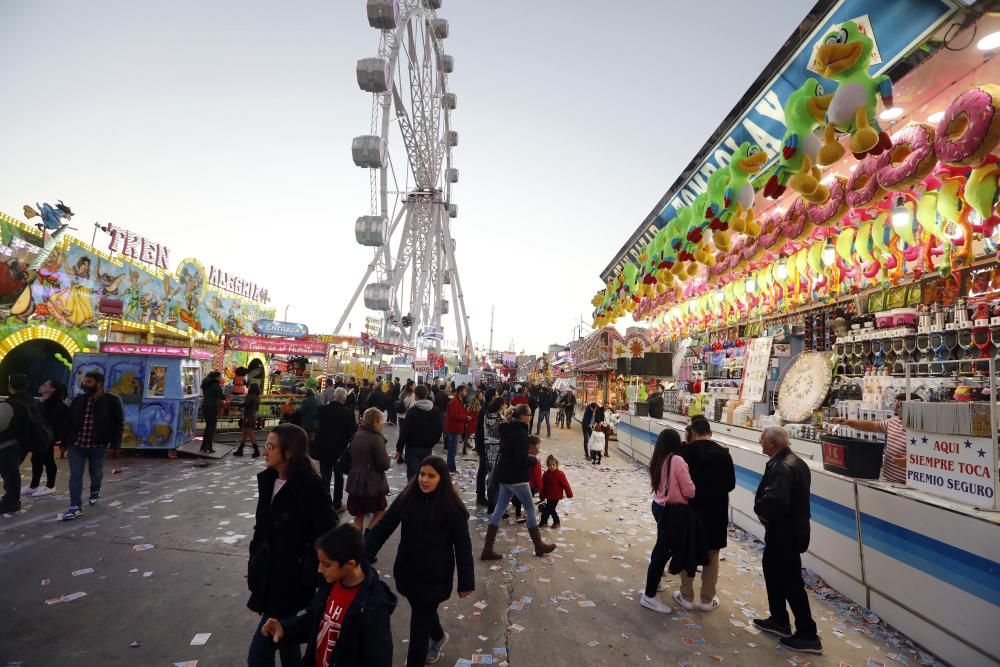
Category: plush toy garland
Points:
column 947, row 177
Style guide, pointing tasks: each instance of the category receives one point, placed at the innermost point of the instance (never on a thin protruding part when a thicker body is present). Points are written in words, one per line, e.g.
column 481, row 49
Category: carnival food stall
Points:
column 833, row 247
column 595, row 367
column 159, row 386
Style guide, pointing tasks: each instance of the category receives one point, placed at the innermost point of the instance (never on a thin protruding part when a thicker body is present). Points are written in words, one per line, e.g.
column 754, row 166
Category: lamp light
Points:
column 829, row 255
column 750, row 285
column 901, row 216
column 781, row 269
column 719, row 296
column 935, row 117
column 892, row 113
column 989, row 42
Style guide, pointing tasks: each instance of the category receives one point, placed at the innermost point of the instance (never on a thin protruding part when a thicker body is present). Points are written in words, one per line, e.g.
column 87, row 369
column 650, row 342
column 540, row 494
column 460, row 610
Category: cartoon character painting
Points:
column 52, row 216
column 156, row 423
column 73, row 305
column 125, row 380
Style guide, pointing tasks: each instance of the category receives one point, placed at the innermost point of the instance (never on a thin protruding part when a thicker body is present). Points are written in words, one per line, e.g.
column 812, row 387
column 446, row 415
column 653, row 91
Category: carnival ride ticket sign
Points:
column 958, row 467
column 755, row 370
column 805, row 386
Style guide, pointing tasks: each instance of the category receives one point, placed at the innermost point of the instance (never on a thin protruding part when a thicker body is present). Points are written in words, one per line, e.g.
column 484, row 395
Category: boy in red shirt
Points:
column 347, row 622
column 554, row 485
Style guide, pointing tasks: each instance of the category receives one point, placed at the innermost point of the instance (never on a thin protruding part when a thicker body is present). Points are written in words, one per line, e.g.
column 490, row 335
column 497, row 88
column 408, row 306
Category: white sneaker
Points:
column 28, row 490
column 654, row 604
column 709, row 606
column 42, row 491
column 436, row 649
column 679, row 599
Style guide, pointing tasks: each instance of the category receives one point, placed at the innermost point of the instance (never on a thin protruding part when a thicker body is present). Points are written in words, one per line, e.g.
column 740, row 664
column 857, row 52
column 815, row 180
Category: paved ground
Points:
column 163, row 558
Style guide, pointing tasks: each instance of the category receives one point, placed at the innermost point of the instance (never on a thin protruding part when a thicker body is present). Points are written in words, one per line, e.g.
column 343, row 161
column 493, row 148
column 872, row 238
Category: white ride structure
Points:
column 409, row 155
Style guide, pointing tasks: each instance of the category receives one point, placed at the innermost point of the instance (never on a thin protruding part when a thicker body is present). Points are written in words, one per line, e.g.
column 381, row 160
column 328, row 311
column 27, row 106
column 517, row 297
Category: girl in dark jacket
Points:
column 513, row 472
column 434, row 539
column 55, row 412
column 293, row 509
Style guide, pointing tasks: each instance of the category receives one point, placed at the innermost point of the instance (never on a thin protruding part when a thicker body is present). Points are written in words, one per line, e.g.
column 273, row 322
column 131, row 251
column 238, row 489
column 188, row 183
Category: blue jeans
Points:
column 94, row 458
column 451, row 444
column 544, row 414
column 414, row 457
column 262, row 650
column 523, row 493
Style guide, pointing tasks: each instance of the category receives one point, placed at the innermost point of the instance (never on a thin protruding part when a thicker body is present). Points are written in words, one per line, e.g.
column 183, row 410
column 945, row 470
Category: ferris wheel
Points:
column 409, row 154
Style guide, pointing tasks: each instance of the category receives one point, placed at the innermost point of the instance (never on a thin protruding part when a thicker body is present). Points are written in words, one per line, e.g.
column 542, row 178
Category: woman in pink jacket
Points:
column 671, row 484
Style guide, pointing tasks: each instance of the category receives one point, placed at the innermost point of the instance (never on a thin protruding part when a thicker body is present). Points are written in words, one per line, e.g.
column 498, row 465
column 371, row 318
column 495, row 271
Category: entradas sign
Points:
column 276, row 328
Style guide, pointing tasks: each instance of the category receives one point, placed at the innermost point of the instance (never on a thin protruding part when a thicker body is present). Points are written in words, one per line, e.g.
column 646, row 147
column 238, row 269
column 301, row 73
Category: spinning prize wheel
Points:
column 805, row 385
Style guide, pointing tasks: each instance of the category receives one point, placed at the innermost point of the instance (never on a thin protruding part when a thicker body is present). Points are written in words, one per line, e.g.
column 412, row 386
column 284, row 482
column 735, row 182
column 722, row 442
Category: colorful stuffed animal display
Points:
column 805, row 111
column 845, row 57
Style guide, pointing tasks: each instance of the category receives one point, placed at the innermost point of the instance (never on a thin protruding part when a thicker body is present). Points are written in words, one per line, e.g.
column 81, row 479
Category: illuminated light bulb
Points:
column 989, row 42
column 901, row 216
column 750, row 285
column 935, row 117
column 996, row 236
column 829, row 253
column 781, row 270
column 719, row 296
column 891, row 113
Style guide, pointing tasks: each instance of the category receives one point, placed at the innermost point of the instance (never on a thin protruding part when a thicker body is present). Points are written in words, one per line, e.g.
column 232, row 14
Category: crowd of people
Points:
column 311, row 576
column 691, row 479
column 84, row 430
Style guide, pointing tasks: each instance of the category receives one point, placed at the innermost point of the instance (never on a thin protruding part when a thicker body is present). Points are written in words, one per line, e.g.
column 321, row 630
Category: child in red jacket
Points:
column 554, row 485
column 535, row 481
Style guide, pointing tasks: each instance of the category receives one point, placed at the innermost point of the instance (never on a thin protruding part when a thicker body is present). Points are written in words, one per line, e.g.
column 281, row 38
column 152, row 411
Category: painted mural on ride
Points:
column 50, row 279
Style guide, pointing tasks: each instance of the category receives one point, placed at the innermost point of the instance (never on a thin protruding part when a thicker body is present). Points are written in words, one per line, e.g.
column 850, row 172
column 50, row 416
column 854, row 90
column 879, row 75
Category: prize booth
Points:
column 159, row 386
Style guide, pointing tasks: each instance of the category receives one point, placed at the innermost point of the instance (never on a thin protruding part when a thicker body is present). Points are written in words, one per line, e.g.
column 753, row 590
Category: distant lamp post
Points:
column 286, row 312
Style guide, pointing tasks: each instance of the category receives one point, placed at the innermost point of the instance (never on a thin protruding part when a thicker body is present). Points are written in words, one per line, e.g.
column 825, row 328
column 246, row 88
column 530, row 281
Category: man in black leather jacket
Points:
column 782, row 505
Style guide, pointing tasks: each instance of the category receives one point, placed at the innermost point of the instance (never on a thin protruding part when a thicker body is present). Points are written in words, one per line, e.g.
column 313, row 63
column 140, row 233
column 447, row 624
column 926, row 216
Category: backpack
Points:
column 36, row 436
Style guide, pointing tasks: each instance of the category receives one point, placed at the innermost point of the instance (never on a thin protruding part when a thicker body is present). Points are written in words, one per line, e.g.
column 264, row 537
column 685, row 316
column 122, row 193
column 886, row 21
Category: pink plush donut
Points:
column 835, row 205
column 911, row 158
column 793, row 225
column 970, row 128
column 863, row 185
column 770, row 234
column 749, row 250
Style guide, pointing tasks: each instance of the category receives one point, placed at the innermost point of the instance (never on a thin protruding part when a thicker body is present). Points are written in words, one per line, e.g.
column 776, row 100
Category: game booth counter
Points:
column 834, row 245
column 60, row 296
column 159, row 386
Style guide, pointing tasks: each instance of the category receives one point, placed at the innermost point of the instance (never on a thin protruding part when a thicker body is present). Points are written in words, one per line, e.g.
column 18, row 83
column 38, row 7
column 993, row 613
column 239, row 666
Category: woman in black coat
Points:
column 512, row 473
column 434, row 540
column 293, row 510
column 55, row 414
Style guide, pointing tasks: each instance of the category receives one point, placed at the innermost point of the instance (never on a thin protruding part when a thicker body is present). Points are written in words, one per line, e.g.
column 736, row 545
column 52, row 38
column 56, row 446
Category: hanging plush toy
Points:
column 845, row 57
column 805, row 110
column 730, row 196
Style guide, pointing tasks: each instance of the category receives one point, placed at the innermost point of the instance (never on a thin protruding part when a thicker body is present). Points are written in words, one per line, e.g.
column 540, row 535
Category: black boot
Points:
column 239, row 450
column 256, row 452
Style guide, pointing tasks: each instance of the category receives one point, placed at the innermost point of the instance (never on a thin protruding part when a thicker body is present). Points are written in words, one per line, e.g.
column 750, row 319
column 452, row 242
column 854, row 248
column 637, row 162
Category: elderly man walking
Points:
column 782, row 505
column 336, row 428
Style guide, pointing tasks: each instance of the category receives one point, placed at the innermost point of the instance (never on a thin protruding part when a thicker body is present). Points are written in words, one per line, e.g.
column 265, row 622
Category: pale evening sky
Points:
column 223, row 130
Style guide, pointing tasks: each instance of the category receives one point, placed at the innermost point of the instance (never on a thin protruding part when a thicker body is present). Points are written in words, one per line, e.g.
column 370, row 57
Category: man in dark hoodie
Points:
column 347, row 622
column 421, row 430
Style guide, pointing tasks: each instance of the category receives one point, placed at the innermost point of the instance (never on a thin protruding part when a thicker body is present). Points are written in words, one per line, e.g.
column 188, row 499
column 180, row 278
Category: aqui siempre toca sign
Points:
column 276, row 328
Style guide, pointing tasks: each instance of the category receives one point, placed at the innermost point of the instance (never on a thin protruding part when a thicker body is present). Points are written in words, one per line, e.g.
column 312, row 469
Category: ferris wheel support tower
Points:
column 409, row 155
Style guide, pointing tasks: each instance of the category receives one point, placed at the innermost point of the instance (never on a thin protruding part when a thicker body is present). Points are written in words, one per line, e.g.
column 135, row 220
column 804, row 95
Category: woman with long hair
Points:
column 434, row 539
column 55, row 414
column 293, row 509
column 367, row 485
column 406, row 401
column 513, row 472
column 671, row 484
column 248, row 421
